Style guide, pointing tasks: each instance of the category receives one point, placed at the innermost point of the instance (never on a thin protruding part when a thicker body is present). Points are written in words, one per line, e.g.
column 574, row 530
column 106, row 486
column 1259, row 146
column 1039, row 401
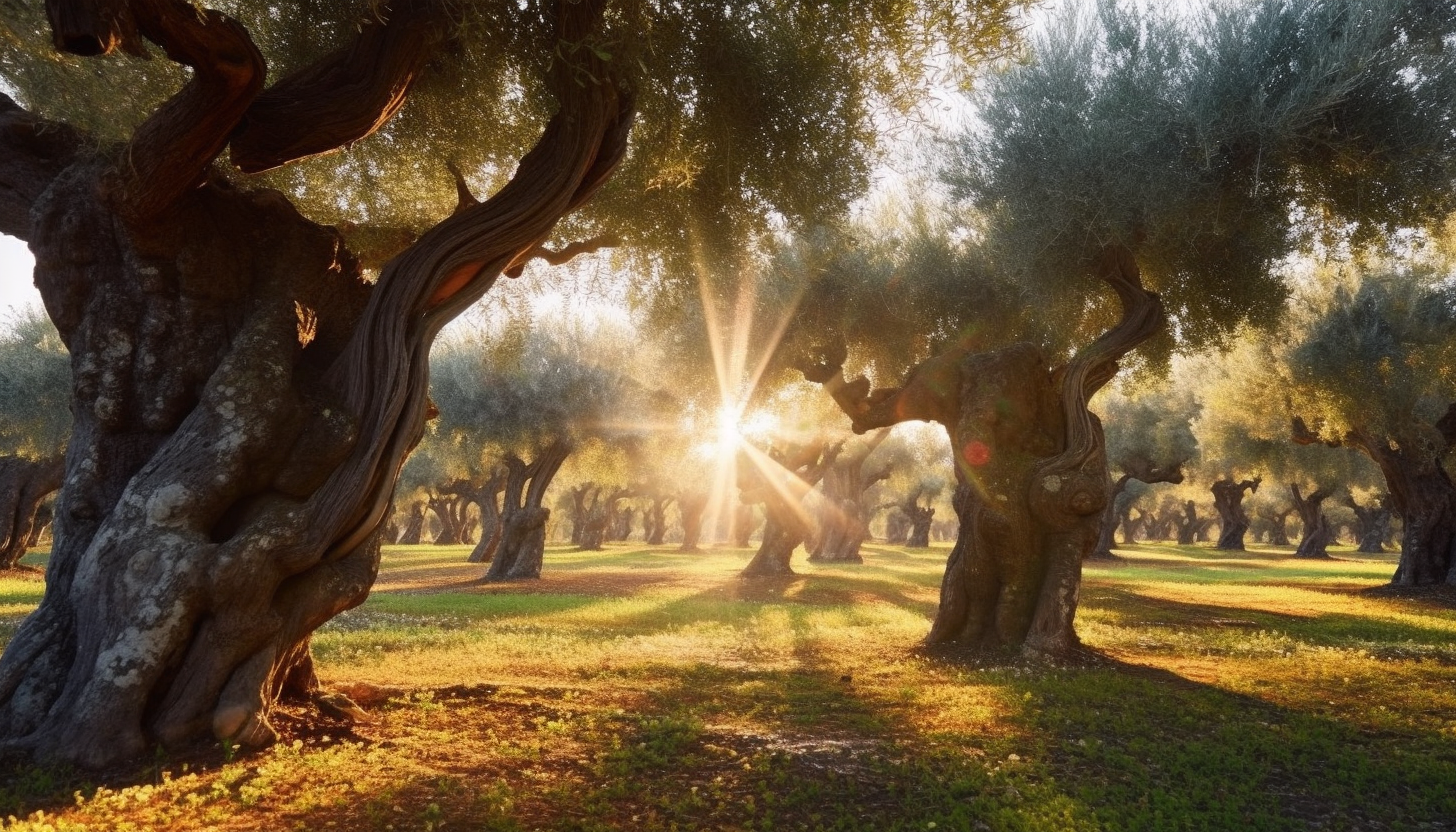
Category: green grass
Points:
column 644, row 689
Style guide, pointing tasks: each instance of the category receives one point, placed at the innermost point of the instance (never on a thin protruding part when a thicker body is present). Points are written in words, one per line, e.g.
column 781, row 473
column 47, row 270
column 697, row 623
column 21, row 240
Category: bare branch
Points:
column 565, row 254
column 32, row 153
column 171, row 151
column 346, row 95
column 463, row 197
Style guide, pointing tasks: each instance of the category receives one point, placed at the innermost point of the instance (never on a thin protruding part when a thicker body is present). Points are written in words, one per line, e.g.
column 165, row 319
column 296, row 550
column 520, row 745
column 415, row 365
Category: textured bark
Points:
column 523, row 517
column 1228, row 500
column 243, row 399
column 744, row 523
column 1030, row 466
column 414, row 525
column 1110, row 520
column 450, row 506
column 781, row 485
column 487, row 498
column 599, row 515
column 897, row 528
column 654, row 518
column 691, row 506
column 1372, row 524
column 1421, row 493
column 24, row 485
column 1278, row 520
column 919, row 518
column 844, row 520
column 1318, row 533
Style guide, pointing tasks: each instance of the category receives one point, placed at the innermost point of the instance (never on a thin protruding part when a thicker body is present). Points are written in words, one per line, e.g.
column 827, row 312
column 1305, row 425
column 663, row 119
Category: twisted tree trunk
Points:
column 243, row 398
column 654, row 518
column 414, row 525
column 523, row 517
column 919, row 518
column 743, row 525
column 790, row 473
column 844, row 521
column 691, row 505
column 1228, row 500
column 1030, row 466
column 1372, row 524
column 1421, row 493
column 487, row 498
column 1318, row 533
column 24, row 485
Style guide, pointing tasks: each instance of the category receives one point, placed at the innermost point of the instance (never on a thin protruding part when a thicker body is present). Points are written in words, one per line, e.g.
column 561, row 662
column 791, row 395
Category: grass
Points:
column 644, row 689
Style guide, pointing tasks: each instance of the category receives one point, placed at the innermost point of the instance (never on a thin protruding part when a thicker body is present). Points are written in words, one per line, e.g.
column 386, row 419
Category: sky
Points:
column 17, row 290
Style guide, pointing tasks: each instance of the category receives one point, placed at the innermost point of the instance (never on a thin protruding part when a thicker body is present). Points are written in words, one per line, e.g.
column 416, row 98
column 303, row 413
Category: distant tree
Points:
column 779, row 478
column 1149, row 439
column 844, row 520
column 35, row 422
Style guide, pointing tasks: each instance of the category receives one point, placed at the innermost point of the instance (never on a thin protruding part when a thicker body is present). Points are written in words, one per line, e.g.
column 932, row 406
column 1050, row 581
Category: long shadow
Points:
column 1322, row 629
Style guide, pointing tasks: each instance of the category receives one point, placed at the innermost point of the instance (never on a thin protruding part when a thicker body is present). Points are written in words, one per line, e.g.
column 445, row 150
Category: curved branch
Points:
column 93, row 27
column 32, row 153
column 566, row 253
column 170, row 152
column 346, row 95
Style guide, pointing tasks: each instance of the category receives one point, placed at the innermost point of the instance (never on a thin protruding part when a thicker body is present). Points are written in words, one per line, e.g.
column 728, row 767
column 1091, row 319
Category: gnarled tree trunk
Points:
column 1372, row 524
column 844, row 520
column 1318, row 533
column 414, row 525
column 897, row 527
column 523, row 517
column 919, row 518
column 24, row 485
column 1030, row 465
column 654, row 518
column 779, row 480
column 243, row 398
column 743, row 525
column 691, row 506
column 487, row 499
column 1228, row 501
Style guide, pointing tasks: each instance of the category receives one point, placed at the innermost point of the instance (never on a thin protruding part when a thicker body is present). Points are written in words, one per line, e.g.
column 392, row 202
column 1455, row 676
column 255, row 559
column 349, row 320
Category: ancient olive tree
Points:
column 249, row 325
column 844, row 512
column 35, row 421
column 1149, row 439
column 1367, row 364
column 1161, row 160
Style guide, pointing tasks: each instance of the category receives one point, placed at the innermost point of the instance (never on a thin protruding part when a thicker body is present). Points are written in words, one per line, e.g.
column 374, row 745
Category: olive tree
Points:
column 1149, row 439
column 35, row 421
column 1175, row 164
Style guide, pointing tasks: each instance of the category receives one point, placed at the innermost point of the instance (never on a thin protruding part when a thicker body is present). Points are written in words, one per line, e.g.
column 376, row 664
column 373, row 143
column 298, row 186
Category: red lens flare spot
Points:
column 977, row 453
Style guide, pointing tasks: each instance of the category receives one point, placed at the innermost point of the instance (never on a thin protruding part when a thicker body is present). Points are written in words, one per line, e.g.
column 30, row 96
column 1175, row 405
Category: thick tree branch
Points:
column 345, row 96
column 93, row 27
column 170, row 152
column 32, row 153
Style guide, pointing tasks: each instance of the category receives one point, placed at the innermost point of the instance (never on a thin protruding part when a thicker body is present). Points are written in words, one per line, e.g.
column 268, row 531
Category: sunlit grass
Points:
column 640, row 688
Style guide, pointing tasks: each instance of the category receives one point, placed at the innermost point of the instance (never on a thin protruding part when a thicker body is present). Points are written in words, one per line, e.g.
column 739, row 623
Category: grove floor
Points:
column 642, row 689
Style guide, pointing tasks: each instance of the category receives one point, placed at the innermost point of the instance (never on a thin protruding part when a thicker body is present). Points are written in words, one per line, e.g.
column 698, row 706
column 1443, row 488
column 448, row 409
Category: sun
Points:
column 728, row 433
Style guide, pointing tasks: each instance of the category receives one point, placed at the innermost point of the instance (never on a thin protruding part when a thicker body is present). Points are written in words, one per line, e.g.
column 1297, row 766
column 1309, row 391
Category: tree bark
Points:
column 414, row 525
column 1372, row 524
column 24, row 485
column 523, row 517
column 919, row 518
column 1228, row 499
column 743, row 525
column 844, row 520
column 779, row 481
column 1110, row 520
column 1030, row 467
column 243, row 399
column 654, row 518
column 487, row 498
column 691, row 506
column 1318, row 533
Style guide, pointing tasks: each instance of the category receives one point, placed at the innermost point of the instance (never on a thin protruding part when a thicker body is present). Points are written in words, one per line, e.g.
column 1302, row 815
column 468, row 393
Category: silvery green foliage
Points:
column 1149, row 426
column 35, row 387
column 1213, row 148
column 1374, row 353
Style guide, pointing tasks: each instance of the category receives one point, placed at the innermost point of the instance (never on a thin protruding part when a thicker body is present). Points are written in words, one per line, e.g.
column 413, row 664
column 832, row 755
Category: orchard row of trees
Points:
column 248, row 250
